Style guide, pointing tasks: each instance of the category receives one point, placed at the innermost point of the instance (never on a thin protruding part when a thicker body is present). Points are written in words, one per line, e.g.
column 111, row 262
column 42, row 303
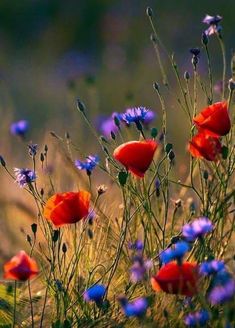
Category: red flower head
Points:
column 136, row 156
column 67, row 208
column 20, row 267
column 205, row 146
column 174, row 278
column 214, row 120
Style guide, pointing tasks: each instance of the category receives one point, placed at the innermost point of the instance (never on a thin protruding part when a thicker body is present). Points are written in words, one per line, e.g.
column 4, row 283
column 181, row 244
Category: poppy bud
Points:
column 46, row 148
column 156, row 86
column 116, row 121
column 171, row 155
column 81, row 106
column 29, row 240
column 64, row 248
column 2, row 161
column 34, row 227
column 204, row 39
column 153, row 38
column 113, row 136
column 42, row 157
column 149, row 12
column 90, row 233
column 186, row 75
column 55, row 236
column 154, row 132
column 42, row 192
column 231, row 84
column 205, row 175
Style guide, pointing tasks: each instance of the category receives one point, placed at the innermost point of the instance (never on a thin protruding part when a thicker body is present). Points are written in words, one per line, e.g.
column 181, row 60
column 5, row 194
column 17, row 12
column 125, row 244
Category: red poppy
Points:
column 174, row 278
column 68, row 207
column 205, row 146
column 20, row 267
column 214, row 120
column 136, row 156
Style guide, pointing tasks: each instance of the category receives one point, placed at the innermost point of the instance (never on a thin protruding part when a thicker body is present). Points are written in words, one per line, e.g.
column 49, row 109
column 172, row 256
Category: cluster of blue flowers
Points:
column 136, row 308
column 222, row 287
column 136, row 115
column 177, row 252
column 140, row 266
column 197, row 319
column 24, row 176
column 197, row 229
column 88, row 165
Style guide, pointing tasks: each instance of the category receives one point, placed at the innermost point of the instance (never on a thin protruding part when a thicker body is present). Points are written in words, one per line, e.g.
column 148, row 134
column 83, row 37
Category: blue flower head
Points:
column 137, row 308
column 197, row 319
column 198, row 228
column 213, row 22
column 94, row 293
column 136, row 246
column 222, row 293
column 88, row 165
column 211, row 267
column 19, row 128
column 139, row 268
column 138, row 114
column 24, row 176
column 177, row 252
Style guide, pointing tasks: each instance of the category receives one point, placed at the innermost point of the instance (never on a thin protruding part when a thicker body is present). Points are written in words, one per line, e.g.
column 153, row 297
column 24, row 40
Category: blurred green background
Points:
column 48, row 45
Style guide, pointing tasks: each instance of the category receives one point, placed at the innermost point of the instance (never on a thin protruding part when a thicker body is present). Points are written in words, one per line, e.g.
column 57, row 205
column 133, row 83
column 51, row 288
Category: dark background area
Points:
column 44, row 45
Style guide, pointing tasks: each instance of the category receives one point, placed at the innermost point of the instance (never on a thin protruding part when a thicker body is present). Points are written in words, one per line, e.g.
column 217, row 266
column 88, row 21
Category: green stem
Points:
column 14, row 310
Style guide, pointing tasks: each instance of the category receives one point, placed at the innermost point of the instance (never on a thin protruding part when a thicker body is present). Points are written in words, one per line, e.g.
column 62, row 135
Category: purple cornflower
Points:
column 137, row 308
column 32, row 149
column 94, row 293
column 136, row 246
column 89, row 165
column 139, row 268
column 197, row 229
column 24, row 176
column 108, row 124
column 213, row 21
column 196, row 319
column 137, row 115
column 19, row 128
column 211, row 267
column 177, row 252
column 222, row 293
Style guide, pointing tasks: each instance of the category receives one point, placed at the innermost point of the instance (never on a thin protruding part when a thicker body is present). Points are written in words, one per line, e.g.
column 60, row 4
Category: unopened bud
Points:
column 149, row 12
column 81, row 106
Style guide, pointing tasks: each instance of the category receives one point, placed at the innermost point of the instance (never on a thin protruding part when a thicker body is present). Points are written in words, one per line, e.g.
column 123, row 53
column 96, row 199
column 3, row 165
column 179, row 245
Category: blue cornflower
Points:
column 89, row 165
column 222, row 293
column 137, row 308
column 211, row 267
column 137, row 115
column 138, row 245
column 139, row 268
column 221, row 277
column 94, row 293
column 175, row 253
column 19, row 128
column 196, row 319
column 108, row 125
column 33, row 149
column 197, row 228
column 24, row 176
column 213, row 21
